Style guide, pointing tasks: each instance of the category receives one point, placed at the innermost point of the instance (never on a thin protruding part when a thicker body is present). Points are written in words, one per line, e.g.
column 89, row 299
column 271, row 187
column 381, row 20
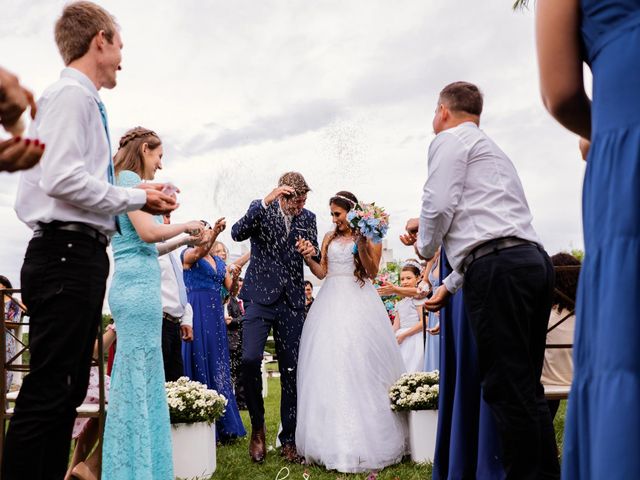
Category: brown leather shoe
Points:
column 258, row 445
column 290, row 453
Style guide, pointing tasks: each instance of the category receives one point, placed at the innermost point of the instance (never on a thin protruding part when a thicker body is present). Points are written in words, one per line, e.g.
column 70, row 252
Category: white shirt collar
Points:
column 70, row 72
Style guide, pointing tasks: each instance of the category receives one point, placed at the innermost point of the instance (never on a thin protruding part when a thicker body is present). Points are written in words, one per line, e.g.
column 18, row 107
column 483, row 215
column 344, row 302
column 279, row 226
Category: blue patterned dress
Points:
column 432, row 345
column 207, row 359
column 602, row 435
column 137, row 437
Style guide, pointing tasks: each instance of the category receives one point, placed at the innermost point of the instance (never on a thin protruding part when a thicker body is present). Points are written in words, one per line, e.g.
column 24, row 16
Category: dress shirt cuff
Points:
column 137, row 199
column 264, row 204
column 187, row 318
column 453, row 282
column 425, row 251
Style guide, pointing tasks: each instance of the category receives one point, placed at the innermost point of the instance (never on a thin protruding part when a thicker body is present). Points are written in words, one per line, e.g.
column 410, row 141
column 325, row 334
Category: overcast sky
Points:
column 342, row 91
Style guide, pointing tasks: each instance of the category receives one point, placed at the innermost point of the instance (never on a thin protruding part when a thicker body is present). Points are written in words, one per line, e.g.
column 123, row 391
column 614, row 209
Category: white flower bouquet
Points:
column 416, row 391
column 191, row 402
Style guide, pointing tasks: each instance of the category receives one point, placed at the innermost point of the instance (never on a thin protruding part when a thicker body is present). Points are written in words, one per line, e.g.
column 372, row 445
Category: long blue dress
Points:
column 206, row 359
column 602, row 435
column 137, row 437
column 467, row 444
column 432, row 344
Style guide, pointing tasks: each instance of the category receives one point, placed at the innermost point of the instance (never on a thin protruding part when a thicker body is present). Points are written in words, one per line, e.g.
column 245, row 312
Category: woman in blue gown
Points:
column 432, row 343
column 207, row 358
column 467, row 445
column 602, row 433
column 137, row 437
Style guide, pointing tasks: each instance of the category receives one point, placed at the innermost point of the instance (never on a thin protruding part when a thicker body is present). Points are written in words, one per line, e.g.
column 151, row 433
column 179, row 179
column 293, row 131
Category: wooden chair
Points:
column 561, row 392
column 16, row 364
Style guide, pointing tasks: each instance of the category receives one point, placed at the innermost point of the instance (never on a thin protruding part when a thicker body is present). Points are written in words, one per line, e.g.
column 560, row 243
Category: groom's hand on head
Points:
column 283, row 191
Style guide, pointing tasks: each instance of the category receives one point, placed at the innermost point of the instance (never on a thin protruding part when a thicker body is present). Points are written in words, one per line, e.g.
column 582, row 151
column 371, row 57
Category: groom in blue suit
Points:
column 273, row 295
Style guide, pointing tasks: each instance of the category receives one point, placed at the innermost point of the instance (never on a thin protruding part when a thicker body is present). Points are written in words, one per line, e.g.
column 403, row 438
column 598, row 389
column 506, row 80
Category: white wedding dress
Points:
column 348, row 359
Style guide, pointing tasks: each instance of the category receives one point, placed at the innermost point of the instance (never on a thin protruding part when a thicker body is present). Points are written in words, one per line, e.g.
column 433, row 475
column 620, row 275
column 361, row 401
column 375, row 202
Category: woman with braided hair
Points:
column 348, row 343
column 137, row 438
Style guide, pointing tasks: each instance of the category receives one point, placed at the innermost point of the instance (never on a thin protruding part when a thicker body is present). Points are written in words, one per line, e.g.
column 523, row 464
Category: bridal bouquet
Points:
column 370, row 220
column 192, row 402
column 416, row 391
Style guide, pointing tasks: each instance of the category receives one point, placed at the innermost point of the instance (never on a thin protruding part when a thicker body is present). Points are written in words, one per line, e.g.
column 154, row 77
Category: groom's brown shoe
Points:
column 290, row 453
column 258, row 445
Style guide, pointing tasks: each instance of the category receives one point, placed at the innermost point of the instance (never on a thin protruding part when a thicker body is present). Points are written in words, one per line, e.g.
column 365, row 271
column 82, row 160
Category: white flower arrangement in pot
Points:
column 418, row 393
column 193, row 409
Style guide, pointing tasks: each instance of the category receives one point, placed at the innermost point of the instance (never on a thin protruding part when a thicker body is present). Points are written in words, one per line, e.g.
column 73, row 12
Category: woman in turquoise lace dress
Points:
column 602, row 433
column 137, row 438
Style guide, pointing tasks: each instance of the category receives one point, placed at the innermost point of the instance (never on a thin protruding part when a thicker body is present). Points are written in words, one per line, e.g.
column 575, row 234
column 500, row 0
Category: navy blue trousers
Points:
column 287, row 325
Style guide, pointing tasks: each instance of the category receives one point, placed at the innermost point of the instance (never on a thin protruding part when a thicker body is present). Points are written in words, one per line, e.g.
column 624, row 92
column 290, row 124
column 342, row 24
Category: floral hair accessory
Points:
column 412, row 263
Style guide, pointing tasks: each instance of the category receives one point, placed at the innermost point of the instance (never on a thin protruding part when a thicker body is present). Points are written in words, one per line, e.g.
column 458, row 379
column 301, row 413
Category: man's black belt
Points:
column 493, row 246
column 78, row 227
column 170, row 318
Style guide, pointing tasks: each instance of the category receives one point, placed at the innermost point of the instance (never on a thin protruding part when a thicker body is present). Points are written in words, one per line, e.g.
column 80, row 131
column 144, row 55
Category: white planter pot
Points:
column 194, row 450
column 423, row 426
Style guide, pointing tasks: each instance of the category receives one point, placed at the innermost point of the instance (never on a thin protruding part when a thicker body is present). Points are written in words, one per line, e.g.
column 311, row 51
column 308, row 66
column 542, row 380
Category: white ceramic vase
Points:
column 194, row 450
column 423, row 426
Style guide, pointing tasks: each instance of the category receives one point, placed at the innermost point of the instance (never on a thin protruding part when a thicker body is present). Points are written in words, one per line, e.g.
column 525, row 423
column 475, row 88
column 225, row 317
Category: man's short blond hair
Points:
column 296, row 181
column 78, row 24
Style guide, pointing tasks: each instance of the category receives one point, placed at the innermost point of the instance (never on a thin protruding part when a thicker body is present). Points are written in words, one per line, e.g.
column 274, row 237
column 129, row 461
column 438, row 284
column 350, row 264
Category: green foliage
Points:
column 106, row 320
column 579, row 254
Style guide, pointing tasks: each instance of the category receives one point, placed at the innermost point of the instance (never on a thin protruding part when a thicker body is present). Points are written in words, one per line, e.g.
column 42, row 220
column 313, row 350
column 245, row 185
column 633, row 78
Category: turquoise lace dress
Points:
column 137, row 437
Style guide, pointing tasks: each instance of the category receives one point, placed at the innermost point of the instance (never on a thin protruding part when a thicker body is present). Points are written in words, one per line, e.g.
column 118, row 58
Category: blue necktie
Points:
column 111, row 174
column 182, row 290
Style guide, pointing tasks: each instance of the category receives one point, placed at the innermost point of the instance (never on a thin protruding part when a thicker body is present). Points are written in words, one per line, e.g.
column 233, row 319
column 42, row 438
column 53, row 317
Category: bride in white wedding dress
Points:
column 348, row 359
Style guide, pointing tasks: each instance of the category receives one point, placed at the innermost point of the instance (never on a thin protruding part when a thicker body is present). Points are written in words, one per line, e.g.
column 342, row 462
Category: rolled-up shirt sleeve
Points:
column 65, row 173
column 453, row 282
column 442, row 191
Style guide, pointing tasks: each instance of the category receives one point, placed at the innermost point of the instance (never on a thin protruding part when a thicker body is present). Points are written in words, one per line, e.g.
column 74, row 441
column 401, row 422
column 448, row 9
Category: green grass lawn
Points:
column 234, row 462
column 558, row 423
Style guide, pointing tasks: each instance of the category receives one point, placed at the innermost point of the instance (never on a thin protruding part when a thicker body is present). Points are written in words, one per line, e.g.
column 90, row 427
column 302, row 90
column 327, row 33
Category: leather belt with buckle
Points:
column 78, row 227
column 170, row 318
column 493, row 246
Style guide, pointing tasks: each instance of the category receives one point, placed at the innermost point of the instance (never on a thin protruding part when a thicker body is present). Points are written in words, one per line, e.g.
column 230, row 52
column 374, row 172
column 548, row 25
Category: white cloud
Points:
column 341, row 91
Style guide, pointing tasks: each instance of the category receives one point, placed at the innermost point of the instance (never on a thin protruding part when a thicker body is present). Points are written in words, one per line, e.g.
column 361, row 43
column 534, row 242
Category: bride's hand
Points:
column 305, row 248
column 400, row 338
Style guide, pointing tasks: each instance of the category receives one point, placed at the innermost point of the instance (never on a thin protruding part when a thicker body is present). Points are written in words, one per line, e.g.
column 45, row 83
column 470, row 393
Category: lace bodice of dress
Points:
column 340, row 261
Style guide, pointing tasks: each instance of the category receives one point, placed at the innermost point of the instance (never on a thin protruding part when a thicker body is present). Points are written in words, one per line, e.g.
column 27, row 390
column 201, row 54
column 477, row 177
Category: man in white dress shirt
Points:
column 177, row 314
column 70, row 203
column 474, row 205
